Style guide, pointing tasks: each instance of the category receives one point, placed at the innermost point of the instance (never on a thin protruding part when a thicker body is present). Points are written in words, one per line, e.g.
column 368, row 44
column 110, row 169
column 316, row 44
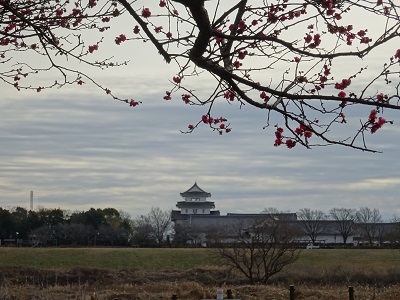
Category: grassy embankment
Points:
column 104, row 258
column 183, row 259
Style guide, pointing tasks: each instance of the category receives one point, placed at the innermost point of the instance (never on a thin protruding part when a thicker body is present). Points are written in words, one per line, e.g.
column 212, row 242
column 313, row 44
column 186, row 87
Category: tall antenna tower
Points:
column 31, row 208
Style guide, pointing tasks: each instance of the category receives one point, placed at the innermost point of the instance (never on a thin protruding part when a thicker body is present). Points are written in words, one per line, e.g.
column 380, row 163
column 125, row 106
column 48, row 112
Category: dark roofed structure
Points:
column 195, row 191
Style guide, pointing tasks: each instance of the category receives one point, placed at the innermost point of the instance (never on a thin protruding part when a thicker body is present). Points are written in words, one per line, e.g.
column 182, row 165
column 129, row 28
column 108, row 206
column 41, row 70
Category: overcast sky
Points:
column 77, row 149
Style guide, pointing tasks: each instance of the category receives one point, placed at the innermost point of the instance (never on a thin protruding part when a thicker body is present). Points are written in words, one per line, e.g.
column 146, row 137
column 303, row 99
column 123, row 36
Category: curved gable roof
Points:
column 195, row 190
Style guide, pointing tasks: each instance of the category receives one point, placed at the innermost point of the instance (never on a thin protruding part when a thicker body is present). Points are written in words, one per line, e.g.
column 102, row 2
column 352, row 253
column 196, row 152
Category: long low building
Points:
column 196, row 218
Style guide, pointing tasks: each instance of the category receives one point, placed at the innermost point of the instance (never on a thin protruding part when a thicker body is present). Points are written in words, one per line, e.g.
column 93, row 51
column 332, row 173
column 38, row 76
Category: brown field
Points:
column 188, row 273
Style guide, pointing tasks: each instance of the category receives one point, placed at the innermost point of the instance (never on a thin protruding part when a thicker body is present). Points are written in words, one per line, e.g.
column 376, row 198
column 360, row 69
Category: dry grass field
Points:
column 147, row 274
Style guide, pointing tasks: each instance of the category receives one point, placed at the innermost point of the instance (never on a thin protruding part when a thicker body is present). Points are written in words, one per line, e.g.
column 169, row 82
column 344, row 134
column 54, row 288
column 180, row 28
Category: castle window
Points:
column 195, row 210
column 196, row 199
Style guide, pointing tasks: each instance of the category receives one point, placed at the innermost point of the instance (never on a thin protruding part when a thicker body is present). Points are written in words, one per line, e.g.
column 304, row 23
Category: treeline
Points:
column 365, row 225
column 94, row 227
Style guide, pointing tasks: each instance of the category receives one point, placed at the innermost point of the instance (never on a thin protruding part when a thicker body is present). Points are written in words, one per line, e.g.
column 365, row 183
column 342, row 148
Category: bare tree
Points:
column 383, row 232
column 152, row 228
column 161, row 223
column 312, row 222
column 74, row 234
column 367, row 222
column 271, row 210
column 43, row 235
column 282, row 57
column 395, row 230
column 274, row 211
column 344, row 218
column 181, row 235
column 143, row 233
column 259, row 249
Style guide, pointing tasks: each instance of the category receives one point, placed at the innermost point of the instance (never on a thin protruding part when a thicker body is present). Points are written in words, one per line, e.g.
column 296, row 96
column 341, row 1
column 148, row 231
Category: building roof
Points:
column 176, row 215
column 187, row 204
column 278, row 216
column 195, row 191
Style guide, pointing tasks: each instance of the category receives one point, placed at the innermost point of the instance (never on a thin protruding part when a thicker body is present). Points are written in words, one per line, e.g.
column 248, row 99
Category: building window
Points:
column 195, row 210
column 186, row 210
column 204, row 211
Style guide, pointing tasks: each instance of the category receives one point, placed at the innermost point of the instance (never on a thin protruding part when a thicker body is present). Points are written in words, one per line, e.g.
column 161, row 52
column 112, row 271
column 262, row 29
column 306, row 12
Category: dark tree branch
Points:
column 143, row 25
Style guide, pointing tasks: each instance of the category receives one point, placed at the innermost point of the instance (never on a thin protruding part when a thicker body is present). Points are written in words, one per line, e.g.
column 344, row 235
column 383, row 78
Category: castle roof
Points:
column 187, row 204
column 195, row 191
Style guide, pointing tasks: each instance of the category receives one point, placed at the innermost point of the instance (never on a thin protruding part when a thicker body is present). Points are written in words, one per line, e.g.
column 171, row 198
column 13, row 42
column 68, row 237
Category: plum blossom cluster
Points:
column 279, row 139
column 167, row 95
column 230, row 95
column 316, row 40
column 381, row 97
column 323, row 78
column 397, row 54
column 176, row 79
column 133, row 103
column 146, row 13
column 304, row 130
column 341, row 86
column 375, row 121
column 186, row 98
column 119, row 39
column 346, row 33
column 264, row 96
column 218, row 124
column 93, row 48
column 275, row 14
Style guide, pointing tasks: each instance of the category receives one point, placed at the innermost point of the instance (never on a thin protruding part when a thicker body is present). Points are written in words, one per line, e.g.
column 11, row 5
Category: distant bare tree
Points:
column 312, row 222
column 258, row 250
column 382, row 232
column 395, row 230
column 344, row 218
column 271, row 210
column 43, row 234
column 368, row 220
column 161, row 222
column 74, row 234
column 274, row 211
column 181, row 235
column 143, row 232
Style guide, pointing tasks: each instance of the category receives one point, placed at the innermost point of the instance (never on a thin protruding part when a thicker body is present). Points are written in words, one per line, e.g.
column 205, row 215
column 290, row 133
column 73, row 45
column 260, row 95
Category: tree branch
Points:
column 143, row 25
